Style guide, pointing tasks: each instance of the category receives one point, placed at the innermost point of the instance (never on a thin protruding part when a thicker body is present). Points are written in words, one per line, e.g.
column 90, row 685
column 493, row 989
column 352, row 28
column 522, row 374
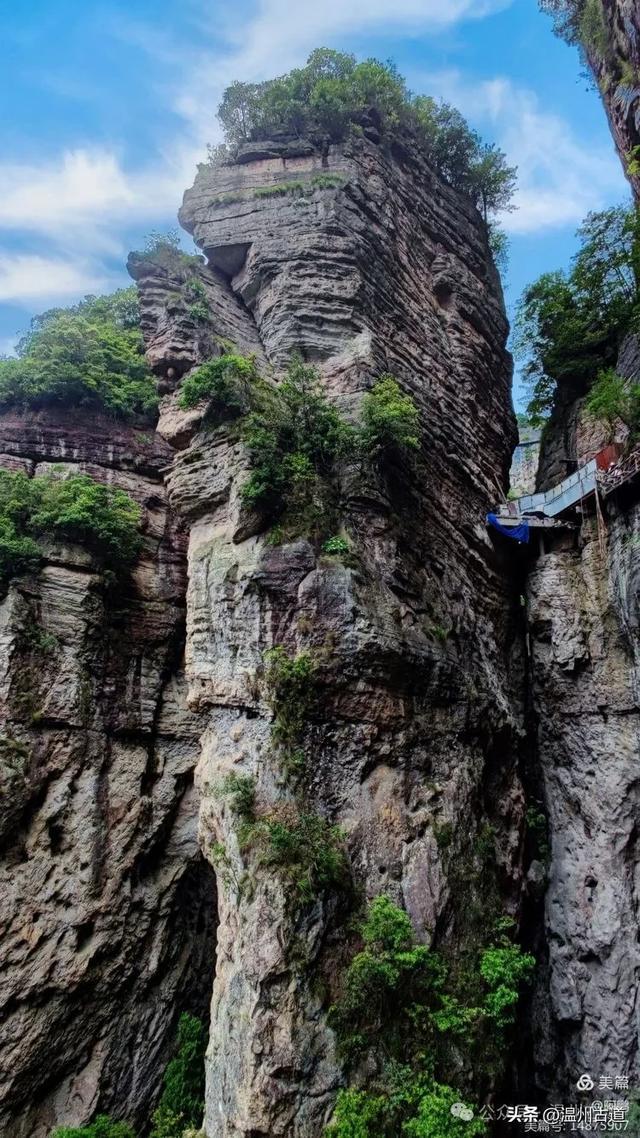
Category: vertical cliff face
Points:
column 583, row 624
column 108, row 907
column 366, row 263
column 612, row 49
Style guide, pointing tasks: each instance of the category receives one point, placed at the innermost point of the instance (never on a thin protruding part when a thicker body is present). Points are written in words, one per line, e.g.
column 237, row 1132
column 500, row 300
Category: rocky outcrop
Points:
column 107, row 906
column 612, row 49
column 366, row 263
column 583, row 635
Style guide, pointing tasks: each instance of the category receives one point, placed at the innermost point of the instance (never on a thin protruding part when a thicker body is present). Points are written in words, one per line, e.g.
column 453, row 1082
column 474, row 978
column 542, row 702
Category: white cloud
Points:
column 88, row 190
column 26, row 277
column 561, row 177
column 86, row 196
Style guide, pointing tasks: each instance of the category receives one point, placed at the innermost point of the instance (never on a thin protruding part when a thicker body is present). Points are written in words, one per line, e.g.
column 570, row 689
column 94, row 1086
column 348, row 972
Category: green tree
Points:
column 295, row 437
column 332, row 92
column 225, row 383
column 101, row 517
column 391, row 420
column 569, row 326
column 613, row 399
column 182, row 1101
column 435, row 1120
column 491, row 180
column 91, row 355
column 411, row 1014
column 77, row 509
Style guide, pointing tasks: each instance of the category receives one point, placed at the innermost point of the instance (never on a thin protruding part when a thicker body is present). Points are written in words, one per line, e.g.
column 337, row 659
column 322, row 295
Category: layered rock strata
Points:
column 362, row 260
column 107, row 906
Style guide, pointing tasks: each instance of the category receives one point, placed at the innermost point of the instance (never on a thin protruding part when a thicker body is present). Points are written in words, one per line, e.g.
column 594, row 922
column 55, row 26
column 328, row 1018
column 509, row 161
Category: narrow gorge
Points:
column 212, row 766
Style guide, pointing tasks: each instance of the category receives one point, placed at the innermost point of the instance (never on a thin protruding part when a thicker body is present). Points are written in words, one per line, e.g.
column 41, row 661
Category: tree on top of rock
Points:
column 334, row 94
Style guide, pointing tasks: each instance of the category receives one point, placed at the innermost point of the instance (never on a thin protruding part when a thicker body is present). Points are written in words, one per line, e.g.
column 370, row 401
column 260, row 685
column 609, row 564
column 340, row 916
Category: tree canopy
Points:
column 333, row 93
column 90, row 355
column 569, row 325
column 76, row 509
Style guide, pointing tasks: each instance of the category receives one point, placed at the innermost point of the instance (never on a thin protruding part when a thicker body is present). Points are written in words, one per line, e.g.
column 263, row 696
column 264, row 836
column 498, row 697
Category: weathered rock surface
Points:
column 583, row 622
column 107, row 908
column 374, row 266
column 617, row 72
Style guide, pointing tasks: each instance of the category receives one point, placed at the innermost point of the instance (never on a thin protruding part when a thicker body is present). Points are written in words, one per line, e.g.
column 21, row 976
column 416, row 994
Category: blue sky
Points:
column 107, row 106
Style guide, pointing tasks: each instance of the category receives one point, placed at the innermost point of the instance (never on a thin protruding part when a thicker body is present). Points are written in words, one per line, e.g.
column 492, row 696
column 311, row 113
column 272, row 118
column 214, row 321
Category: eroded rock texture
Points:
column 614, row 57
column 373, row 267
column 107, row 907
column 583, row 622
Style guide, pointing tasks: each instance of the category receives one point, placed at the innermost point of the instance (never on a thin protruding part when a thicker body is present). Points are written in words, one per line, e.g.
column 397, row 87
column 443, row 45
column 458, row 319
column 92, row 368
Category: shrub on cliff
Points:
column 613, row 398
column 101, row 1127
column 569, row 326
column 333, row 92
column 405, row 1008
column 414, row 1107
column 391, row 420
column 225, row 383
column 580, row 22
column 89, row 356
column 182, row 1101
column 165, row 249
column 77, row 509
column 295, row 437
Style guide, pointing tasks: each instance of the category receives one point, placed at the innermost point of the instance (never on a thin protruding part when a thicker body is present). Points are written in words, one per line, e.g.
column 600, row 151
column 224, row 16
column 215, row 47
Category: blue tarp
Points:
column 518, row 533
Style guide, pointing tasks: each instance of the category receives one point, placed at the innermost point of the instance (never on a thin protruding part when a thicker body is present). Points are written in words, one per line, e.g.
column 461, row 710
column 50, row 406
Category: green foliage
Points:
column 402, row 1004
column 440, row 633
column 305, row 849
column 281, row 189
column 402, row 996
column 435, row 1120
column 569, row 327
column 90, row 356
column 567, row 17
column 164, row 249
column 633, row 162
column 387, row 984
column 199, row 312
column 79, row 509
column 299, row 189
column 336, row 547
column 358, row 1114
column 403, row 1103
column 226, row 383
column 101, row 1127
column 182, row 1101
column 499, row 244
column 295, row 438
column 537, row 830
column 391, row 420
column 240, row 789
column 613, row 399
column 592, row 29
column 290, row 682
column 504, row 969
column 76, row 509
column 334, row 93
column 194, row 290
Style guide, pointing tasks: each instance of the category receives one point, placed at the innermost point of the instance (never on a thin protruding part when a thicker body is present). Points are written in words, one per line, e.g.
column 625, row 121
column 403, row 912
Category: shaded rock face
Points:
column 617, row 73
column 585, row 693
column 583, row 624
column 367, row 265
column 107, row 906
